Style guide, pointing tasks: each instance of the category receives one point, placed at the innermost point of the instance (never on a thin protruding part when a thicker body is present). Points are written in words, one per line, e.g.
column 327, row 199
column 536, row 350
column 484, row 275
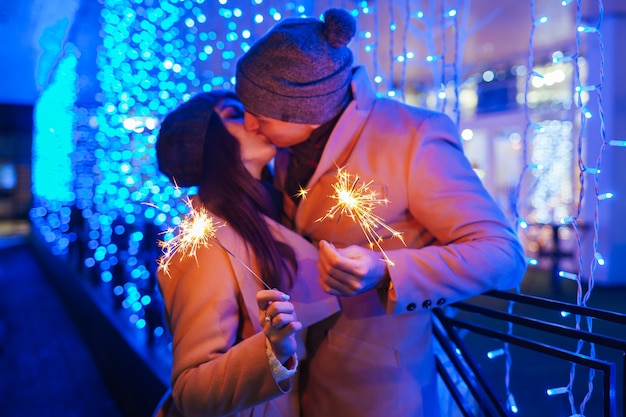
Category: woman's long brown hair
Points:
column 229, row 191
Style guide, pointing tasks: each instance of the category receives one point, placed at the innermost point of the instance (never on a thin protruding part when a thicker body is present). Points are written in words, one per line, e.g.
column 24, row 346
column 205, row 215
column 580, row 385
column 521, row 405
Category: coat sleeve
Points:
column 472, row 247
column 213, row 372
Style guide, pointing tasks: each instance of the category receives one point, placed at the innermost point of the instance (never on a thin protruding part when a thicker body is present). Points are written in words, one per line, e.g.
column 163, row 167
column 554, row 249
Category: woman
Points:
column 234, row 343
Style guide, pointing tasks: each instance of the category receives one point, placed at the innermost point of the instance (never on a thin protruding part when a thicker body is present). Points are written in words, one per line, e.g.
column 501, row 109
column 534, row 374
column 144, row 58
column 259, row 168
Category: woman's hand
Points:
column 279, row 322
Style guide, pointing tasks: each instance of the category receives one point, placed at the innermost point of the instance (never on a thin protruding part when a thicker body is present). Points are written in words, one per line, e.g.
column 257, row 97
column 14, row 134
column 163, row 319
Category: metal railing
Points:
column 491, row 316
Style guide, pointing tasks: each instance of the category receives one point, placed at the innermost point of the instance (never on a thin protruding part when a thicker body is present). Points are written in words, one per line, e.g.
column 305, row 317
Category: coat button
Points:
column 441, row 301
column 427, row 304
column 411, row 307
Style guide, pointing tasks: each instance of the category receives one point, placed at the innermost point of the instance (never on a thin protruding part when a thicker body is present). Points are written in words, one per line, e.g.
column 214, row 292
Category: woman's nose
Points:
column 250, row 122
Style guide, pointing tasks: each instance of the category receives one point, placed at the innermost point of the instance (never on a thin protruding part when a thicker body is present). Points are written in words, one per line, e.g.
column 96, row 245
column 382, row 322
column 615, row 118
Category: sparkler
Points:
column 357, row 201
column 197, row 229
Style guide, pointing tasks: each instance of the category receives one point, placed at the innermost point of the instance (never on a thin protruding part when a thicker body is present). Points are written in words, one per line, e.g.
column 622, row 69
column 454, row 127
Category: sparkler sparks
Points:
column 197, row 229
column 302, row 193
column 357, row 202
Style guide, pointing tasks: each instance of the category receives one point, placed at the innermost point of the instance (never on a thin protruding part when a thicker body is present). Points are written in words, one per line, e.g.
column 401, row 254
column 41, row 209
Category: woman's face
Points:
column 256, row 149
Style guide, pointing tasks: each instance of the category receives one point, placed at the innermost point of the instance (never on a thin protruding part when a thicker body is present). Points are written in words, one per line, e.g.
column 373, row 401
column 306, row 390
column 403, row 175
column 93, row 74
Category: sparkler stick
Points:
column 357, row 202
column 196, row 229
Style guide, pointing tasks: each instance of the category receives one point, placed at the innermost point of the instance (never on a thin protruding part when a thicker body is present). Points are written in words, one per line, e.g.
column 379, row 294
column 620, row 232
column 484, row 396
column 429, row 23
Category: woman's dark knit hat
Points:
column 300, row 70
column 182, row 135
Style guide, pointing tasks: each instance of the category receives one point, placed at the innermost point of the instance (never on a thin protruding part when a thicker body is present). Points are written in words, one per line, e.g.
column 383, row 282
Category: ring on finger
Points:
column 272, row 323
column 268, row 318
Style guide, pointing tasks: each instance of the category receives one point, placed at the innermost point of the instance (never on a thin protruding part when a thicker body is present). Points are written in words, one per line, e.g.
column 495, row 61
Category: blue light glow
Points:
column 53, row 141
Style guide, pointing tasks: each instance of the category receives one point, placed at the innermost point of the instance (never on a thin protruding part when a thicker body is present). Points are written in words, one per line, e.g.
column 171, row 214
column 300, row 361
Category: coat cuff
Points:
column 279, row 371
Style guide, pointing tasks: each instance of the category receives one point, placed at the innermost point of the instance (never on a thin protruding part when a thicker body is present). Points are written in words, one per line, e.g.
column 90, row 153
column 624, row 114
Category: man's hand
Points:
column 351, row 270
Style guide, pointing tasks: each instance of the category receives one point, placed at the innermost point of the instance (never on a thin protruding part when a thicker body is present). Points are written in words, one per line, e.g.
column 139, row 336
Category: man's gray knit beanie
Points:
column 300, row 70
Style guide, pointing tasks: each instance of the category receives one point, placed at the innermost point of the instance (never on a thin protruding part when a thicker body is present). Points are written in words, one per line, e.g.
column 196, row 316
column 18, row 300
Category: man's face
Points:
column 281, row 134
column 256, row 149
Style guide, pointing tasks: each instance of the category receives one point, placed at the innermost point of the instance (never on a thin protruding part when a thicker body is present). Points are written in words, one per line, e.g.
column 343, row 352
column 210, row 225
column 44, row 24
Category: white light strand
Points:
column 444, row 49
column 511, row 405
column 405, row 40
column 598, row 259
column 375, row 48
column 455, row 68
column 392, row 35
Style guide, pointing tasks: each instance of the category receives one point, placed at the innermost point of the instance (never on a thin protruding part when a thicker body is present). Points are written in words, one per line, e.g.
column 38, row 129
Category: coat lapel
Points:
column 347, row 131
column 248, row 284
column 345, row 134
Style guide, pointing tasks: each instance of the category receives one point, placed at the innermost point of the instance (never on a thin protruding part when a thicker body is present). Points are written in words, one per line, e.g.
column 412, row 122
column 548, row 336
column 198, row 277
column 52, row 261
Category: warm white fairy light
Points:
column 585, row 111
column 492, row 354
column 562, row 58
column 587, row 29
column 355, row 200
column 582, row 88
column 599, row 258
column 510, row 402
column 591, row 171
column 557, row 391
column 568, row 275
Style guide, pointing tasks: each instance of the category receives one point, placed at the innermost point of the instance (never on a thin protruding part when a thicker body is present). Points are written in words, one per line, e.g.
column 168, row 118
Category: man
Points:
column 375, row 357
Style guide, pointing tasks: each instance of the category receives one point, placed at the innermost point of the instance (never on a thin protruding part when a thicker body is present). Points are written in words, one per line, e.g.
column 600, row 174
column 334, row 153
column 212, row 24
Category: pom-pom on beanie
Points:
column 182, row 135
column 300, row 70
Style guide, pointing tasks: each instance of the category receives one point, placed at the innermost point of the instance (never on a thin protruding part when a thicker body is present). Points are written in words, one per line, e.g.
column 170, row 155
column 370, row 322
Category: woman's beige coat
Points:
column 219, row 364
